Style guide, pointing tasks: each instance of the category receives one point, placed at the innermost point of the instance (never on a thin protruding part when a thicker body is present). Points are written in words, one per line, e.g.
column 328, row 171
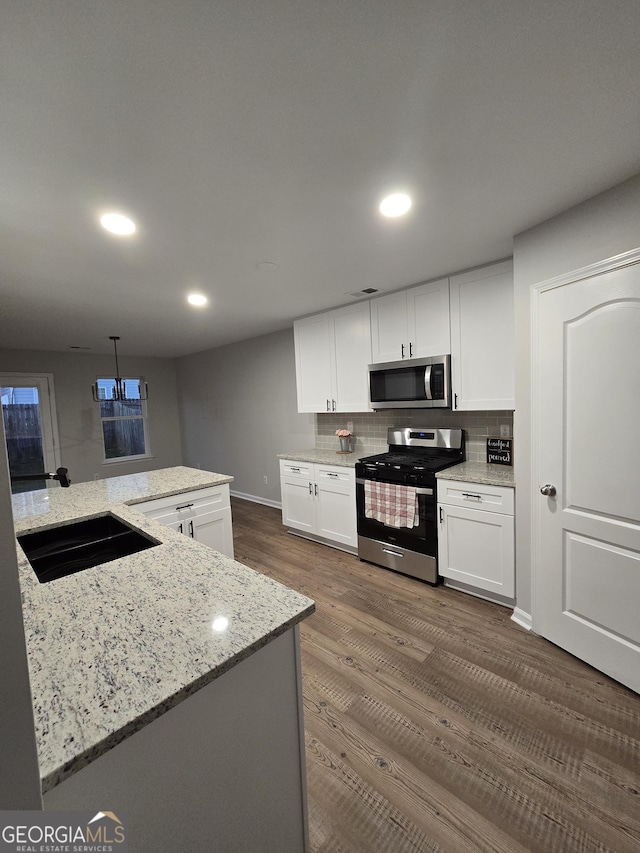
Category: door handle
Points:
column 427, row 382
column 191, row 529
column 548, row 490
column 441, row 516
column 393, row 553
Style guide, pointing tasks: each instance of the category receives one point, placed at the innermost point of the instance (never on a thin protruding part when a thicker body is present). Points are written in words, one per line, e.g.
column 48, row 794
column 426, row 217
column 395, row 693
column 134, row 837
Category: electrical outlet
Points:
column 96, row 476
column 266, row 481
column 505, row 431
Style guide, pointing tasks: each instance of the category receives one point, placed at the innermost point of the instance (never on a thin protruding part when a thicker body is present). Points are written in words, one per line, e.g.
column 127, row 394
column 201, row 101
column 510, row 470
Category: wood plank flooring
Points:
column 434, row 723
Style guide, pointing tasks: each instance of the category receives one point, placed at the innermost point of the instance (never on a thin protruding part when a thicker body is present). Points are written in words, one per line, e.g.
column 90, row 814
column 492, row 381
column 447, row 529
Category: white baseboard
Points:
column 521, row 618
column 255, row 499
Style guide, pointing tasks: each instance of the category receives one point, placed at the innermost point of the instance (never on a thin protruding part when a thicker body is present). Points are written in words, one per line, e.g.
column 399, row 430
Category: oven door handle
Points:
column 419, row 491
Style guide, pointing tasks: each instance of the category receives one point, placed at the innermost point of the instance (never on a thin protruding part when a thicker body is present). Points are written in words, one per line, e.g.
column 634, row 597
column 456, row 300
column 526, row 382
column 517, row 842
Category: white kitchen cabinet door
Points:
column 313, row 364
column 428, row 319
column 336, row 506
column 482, row 338
column 298, row 504
column 389, row 328
column 213, row 528
column 322, row 504
column 411, row 323
column 476, row 548
column 204, row 515
column 351, row 354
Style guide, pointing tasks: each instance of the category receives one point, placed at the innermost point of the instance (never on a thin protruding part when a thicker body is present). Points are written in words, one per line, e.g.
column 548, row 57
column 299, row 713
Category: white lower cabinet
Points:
column 320, row 500
column 203, row 515
column 476, row 536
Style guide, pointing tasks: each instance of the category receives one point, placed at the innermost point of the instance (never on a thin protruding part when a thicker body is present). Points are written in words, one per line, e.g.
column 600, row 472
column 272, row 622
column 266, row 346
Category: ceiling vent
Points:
column 359, row 294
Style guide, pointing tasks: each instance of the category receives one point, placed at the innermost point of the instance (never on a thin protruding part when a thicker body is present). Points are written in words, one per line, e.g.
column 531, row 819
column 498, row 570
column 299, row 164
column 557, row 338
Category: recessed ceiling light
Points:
column 395, row 205
column 197, row 299
column 117, row 223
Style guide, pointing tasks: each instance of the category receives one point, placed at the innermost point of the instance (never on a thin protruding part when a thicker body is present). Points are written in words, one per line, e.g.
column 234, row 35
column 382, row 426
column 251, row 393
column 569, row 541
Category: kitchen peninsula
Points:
column 115, row 650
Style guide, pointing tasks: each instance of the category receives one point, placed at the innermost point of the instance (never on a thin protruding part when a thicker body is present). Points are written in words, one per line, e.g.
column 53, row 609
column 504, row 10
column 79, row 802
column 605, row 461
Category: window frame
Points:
column 144, row 417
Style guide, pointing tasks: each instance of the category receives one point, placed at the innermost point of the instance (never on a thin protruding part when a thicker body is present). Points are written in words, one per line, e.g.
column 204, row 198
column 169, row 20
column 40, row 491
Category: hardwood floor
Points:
column 434, row 723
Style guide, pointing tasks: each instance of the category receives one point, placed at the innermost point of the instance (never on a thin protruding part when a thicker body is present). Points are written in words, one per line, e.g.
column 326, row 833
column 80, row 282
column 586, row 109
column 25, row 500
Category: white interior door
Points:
column 28, row 408
column 586, row 440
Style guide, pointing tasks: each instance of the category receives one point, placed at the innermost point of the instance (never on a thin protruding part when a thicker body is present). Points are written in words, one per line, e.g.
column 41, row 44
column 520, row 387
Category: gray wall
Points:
column 600, row 228
column 238, row 410
column 81, row 448
column 19, row 775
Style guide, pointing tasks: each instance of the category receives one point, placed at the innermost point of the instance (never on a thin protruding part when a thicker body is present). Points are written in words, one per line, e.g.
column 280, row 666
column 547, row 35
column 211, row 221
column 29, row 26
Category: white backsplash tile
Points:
column 370, row 428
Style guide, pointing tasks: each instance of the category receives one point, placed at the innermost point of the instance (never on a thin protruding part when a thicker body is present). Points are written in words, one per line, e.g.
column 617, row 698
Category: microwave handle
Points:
column 427, row 382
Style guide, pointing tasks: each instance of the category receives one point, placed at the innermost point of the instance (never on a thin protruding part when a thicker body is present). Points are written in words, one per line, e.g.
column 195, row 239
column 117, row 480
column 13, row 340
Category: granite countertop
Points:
column 325, row 457
column 479, row 472
column 115, row 646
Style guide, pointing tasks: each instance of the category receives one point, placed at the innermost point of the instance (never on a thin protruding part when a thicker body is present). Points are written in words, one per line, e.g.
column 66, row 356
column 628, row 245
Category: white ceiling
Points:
column 238, row 132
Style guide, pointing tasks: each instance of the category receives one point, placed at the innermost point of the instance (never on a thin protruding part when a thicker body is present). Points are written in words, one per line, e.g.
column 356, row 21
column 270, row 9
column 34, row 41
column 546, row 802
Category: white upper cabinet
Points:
column 411, row 323
column 333, row 351
column 482, row 338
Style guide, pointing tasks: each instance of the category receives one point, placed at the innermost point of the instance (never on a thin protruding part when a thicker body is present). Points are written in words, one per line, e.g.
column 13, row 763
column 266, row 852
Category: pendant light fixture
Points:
column 119, row 390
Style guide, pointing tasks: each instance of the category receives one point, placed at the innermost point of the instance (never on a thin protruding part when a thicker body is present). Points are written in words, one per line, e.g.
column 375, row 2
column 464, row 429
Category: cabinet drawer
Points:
column 288, row 468
column 213, row 497
column 335, row 475
column 479, row 495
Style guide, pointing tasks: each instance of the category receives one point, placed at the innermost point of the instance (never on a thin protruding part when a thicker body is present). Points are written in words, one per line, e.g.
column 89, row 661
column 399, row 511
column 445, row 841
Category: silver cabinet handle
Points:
column 180, row 528
column 315, row 487
column 402, row 349
column 191, row 529
column 297, row 470
column 455, row 401
column 328, row 406
column 184, row 506
column 334, row 405
column 441, row 516
column 310, row 488
column 470, row 496
column 331, row 474
column 548, row 490
column 410, row 349
column 393, row 553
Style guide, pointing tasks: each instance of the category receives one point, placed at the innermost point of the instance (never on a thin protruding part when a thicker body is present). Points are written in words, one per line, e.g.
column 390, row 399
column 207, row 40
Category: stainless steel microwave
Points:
column 417, row 383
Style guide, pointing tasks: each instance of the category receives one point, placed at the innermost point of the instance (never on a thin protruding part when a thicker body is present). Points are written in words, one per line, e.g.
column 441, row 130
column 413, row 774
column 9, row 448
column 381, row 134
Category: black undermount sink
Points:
column 70, row 548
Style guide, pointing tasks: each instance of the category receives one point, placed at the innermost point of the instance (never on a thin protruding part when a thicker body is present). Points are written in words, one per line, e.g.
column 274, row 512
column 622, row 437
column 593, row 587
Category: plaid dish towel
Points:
column 393, row 505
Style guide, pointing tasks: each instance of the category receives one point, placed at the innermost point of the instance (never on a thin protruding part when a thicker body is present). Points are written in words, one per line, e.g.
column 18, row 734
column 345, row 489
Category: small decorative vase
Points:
column 345, row 445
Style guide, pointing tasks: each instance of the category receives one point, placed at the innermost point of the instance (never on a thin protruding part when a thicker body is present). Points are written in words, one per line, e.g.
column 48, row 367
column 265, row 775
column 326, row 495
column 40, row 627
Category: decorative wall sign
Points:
column 500, row 451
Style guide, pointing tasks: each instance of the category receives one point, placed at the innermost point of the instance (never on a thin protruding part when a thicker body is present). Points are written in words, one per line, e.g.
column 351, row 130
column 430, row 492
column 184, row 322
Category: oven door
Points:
column 422, row 538
column 418, row 383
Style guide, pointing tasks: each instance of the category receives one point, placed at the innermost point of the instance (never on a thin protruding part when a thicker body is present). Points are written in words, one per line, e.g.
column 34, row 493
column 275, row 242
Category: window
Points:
column 124, row 424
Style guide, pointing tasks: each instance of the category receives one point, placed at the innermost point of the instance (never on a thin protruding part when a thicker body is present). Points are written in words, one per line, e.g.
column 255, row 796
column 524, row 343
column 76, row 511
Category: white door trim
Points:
column 625, row 259
column 52, row 458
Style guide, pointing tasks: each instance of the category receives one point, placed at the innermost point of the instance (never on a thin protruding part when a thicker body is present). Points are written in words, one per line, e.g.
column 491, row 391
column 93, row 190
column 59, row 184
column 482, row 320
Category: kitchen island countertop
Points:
column 113, row 647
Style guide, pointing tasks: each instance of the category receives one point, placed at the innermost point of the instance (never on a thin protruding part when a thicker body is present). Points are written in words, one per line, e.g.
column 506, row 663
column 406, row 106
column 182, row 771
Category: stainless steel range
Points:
column 396, row 499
